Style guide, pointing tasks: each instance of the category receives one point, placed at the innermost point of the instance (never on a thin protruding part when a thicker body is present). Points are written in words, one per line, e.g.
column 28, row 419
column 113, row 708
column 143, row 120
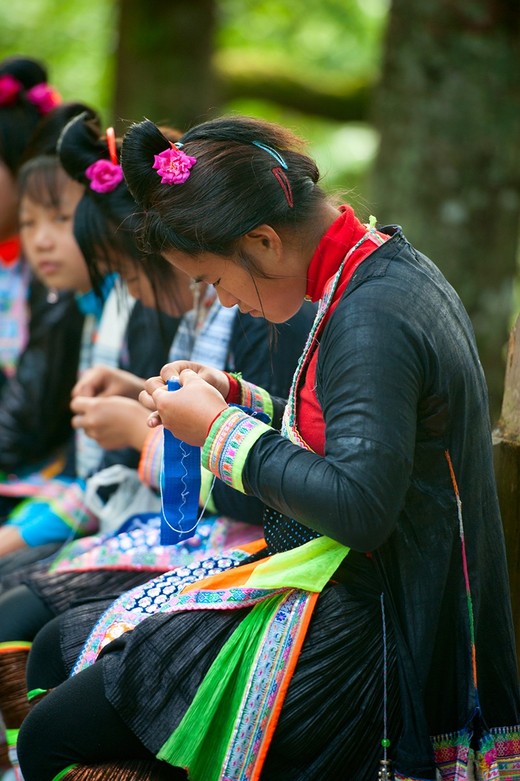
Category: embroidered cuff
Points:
column 149, row 469
column 256, row 398
column 227, row 446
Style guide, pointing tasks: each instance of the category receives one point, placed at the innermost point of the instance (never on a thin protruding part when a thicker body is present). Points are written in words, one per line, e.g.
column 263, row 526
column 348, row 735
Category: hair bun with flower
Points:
column 42, row 95
column 173, row 165
column 106, row 175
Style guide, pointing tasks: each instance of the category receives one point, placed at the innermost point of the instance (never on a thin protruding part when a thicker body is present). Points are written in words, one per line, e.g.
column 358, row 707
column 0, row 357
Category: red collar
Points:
column 9, row 250
column 342, row 235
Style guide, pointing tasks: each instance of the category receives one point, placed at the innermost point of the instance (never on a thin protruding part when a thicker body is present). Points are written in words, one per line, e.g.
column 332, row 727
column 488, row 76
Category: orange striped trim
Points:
column 231, row 578
column 284, row 685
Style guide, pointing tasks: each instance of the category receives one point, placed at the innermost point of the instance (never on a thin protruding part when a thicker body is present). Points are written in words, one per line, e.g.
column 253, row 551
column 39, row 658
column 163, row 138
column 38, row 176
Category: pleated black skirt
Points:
column 332, row 720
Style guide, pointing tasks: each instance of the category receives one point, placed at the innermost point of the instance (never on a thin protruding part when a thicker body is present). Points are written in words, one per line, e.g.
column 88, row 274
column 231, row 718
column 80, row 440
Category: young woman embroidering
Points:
column 105, row 406
column 374, row 631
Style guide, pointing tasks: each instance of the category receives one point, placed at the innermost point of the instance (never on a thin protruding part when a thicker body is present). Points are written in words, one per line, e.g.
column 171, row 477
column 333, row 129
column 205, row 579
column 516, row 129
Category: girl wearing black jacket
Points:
column 374, row 629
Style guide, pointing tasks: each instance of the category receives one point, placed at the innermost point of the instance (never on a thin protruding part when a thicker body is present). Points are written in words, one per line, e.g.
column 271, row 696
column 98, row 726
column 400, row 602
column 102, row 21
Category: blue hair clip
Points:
column 277, row 156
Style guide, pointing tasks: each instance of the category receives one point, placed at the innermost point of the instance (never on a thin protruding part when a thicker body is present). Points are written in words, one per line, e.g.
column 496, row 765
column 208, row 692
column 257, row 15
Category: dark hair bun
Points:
column 45, row 138
column 140, row 144
column 80, row 145
column 28, row 71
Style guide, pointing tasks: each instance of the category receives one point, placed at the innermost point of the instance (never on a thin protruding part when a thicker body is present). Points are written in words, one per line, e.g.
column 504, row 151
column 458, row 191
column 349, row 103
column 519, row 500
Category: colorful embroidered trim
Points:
column 256, row 398
column 227, row 445
column 498, row 755
column 452, row 755
column 242, row 694
column 154, row 596
column 290, row 417
column 223, row 702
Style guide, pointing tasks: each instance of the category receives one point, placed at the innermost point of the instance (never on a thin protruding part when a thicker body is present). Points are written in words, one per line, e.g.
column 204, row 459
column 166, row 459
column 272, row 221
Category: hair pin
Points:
column 111, row 143
column 106, row 175
column 270, row 151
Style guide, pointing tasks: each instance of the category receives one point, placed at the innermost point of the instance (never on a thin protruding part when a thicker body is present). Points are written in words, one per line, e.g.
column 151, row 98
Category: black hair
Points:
column 19, row 119
column 45, row 138
column 248, row 172
column 40, row 176
column 41, row 180
column 106, row 223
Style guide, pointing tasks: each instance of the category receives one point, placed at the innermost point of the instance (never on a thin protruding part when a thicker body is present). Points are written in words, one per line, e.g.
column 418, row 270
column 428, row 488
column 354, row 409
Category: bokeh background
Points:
column 412, row 110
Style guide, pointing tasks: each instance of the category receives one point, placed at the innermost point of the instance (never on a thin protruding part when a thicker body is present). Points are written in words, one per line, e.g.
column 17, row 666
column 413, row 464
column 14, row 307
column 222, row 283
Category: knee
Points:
column 45, row 667
column 33, row 744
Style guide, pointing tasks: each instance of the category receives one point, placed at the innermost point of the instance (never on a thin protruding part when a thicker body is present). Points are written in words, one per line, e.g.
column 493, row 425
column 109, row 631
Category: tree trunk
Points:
column 164, row 57
column 506, row 440
column 448, row 167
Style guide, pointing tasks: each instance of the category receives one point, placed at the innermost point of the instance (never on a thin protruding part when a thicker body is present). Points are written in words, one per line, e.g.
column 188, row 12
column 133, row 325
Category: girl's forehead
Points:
column 51, row 189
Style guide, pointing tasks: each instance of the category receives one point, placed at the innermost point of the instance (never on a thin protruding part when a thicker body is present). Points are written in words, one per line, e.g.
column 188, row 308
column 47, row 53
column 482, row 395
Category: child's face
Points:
column 48, row 243
column 173, row 297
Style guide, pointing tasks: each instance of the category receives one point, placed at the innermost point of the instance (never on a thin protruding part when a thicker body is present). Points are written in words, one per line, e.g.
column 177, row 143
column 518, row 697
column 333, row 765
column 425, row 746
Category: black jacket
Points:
column 34, row 403
column 400, row 386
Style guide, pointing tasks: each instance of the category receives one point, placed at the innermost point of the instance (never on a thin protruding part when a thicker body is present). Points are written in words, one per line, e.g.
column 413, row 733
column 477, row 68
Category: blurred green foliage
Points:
column 319, row 41
column 324, row 42
column 321, row 38
column 76, row 39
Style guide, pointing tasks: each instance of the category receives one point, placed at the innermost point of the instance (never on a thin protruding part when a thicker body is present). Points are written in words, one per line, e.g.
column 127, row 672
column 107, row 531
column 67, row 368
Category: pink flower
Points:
column 45, row 98
column 10, row 88
column 173, row 165
column 104, row 176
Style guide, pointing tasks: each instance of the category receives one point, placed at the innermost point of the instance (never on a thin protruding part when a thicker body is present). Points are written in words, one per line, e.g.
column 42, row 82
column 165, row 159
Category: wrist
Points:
column 213, row 420
column 234, row 393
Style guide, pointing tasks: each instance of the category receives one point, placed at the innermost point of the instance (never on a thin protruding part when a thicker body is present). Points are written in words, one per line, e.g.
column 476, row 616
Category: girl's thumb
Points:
column 186, row 376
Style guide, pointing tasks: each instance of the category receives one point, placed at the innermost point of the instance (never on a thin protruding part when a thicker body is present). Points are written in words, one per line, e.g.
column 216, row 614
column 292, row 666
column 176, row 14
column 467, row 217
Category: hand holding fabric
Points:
column 215, row 377
column 108, row 381
column 187, row 413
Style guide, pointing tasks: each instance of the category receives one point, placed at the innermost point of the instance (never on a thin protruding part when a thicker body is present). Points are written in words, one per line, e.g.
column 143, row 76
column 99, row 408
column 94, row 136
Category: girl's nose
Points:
column 225, row 298
column 43, row 236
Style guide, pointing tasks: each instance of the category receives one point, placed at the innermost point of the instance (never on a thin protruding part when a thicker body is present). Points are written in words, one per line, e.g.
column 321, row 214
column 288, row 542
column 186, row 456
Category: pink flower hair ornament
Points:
column 44, row 97
column 173, row 165
column 104, row 176
column 10, row 88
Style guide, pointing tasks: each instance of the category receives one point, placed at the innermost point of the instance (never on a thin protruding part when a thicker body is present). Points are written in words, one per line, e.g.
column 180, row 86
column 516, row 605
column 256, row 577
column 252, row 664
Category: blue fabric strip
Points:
column 180, row 486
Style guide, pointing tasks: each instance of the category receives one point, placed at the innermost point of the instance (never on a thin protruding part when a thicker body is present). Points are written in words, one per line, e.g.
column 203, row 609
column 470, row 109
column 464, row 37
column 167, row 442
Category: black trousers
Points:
column 74, row 722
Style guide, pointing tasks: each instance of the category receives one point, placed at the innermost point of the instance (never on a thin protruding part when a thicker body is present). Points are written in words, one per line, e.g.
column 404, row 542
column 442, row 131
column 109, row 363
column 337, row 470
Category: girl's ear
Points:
column 264, row 243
